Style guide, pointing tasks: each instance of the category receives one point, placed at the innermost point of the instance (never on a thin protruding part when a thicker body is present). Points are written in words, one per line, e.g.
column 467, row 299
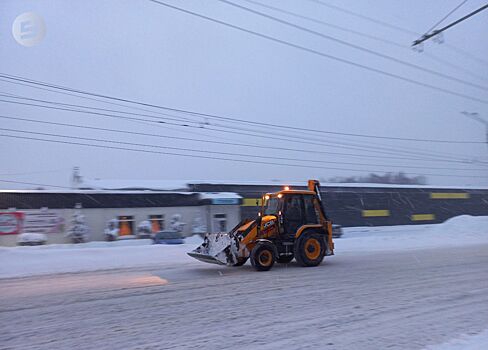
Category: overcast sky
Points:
column 146, row 52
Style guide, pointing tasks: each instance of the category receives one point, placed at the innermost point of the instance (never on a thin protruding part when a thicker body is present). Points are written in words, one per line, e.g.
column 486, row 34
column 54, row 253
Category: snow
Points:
column 159, row 185
column 92, row 256
column 458, row 231
column 31, row 237
column 466, row 342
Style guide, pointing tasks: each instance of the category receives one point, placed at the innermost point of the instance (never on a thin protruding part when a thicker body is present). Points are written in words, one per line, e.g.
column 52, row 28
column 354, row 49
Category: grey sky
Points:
column 142, row 51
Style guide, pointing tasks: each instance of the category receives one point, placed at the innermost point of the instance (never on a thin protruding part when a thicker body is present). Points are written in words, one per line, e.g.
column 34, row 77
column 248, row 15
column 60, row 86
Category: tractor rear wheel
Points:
column 263, row 256
column 310, row 249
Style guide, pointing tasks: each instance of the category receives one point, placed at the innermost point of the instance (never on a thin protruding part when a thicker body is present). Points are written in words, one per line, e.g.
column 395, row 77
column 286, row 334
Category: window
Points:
column 293, row 207
column 220, row 222
column 271, row 206
column 157, row 223
column 310, row 212
column 126, row 225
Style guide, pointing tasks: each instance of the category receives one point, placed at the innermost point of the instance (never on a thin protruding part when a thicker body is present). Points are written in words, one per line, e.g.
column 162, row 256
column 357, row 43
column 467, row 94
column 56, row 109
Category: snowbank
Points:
column 92, row 256
column 466, row 342
column 461, row 230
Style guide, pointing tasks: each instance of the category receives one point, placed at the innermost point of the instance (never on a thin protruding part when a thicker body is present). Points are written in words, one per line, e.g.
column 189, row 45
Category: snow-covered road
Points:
column 381, row 296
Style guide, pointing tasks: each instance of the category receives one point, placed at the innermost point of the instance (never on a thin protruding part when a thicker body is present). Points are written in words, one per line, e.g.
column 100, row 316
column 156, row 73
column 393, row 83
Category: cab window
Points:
column 271, row 206
column 311, row 216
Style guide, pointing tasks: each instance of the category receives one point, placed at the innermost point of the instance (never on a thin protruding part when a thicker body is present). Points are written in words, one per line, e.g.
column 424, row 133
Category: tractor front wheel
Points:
column 263, row 256
column 310, row 249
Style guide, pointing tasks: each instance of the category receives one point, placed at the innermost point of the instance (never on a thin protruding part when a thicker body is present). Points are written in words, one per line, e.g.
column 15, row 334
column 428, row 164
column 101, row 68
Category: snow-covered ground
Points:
column 466, row 342
column 92, row 256
column 382, row 290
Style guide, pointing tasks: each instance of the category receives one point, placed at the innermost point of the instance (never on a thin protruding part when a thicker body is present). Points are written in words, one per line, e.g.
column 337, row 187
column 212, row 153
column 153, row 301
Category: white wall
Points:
column 96, row 219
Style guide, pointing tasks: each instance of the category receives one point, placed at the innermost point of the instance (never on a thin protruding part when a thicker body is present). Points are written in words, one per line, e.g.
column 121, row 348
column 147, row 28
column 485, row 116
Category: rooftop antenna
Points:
column 76, row 178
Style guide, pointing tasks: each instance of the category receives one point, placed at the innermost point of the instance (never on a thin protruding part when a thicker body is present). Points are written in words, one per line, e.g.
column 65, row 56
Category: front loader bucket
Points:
column 217, row 248
column 205, row 258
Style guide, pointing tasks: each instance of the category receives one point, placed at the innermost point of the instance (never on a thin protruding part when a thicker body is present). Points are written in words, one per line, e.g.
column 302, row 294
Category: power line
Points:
column 213, row 116
column 315, row 151
column 446, row 16
column 395, row 27
column 35, row 172
column 438, row 31
column 230, row 153
column 266, row 134
column 357, row 47
column 323, row 54
column 370, row 19
column 33, row 184
column 203, row 156
column 383, row 150
column 206, row 151
column 77, row 95
column 169, row 117
column 367, row 36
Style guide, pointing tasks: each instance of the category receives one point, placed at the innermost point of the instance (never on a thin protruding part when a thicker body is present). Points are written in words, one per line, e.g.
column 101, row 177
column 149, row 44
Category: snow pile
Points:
column 459, row 231
column 31, row 238
column 466, row 342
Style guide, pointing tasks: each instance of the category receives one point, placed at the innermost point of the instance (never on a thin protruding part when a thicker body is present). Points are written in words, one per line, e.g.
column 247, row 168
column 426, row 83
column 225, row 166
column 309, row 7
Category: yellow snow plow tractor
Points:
column 291, row 224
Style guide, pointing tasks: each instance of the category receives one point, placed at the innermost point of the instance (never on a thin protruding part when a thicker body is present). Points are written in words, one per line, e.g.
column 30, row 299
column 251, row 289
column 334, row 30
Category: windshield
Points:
column 271, row 206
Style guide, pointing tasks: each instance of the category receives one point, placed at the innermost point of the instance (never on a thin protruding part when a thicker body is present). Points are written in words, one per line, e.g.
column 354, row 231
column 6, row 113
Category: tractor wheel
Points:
column 263, row 256
column 310, row 249
column 240, row 262
column 285, row 259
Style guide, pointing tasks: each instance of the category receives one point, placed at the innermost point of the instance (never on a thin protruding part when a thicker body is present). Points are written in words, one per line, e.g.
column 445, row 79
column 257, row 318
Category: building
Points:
column 50, row 212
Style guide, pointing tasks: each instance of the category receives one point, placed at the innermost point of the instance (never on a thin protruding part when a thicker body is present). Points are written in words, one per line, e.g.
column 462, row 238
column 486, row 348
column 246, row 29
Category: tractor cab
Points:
column 291, row 210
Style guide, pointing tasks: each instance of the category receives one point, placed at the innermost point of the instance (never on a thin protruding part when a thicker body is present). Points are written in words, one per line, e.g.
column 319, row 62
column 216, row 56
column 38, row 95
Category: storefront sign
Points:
column 11, row 223
column 43, row 221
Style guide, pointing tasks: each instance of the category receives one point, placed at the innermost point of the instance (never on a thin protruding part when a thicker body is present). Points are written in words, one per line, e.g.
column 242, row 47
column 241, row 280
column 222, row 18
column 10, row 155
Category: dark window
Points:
column 310, row 212
column 293, row 217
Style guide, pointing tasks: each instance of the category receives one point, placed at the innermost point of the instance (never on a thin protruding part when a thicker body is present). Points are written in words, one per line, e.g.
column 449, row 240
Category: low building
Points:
column 50, row 212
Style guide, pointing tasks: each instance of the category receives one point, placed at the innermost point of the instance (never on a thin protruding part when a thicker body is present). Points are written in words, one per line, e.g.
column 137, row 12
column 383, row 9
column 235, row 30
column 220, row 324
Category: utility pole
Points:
column 475, row 116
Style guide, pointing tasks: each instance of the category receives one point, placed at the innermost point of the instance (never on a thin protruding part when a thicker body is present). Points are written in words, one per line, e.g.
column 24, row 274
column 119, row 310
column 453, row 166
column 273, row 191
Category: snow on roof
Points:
column 155, row 185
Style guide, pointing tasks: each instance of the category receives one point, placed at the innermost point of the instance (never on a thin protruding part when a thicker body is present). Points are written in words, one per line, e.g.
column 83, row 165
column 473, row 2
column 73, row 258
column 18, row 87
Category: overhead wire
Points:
column 396, row 27
column 446, row 16
column 247, row 145
column 214, row 116
column 323, row 54
column 354, row 46
column 105, row 146
column 367, row 36
column 275, row 136
column 33, row 184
